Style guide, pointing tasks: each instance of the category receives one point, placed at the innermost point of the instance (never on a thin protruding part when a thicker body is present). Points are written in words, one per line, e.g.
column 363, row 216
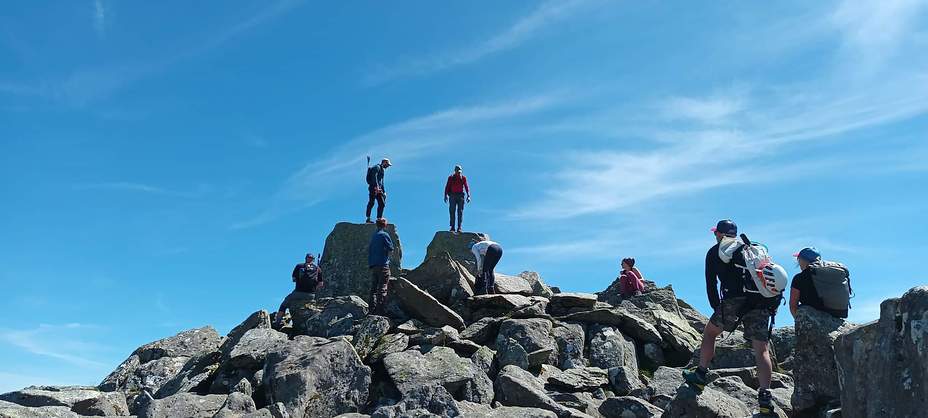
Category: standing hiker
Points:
column 487, row 254
column 378, row 259
column 632, row 284
column 455, row 189
column 375, row 189
column 823, row 285
column 307, row 277
column 734, row 306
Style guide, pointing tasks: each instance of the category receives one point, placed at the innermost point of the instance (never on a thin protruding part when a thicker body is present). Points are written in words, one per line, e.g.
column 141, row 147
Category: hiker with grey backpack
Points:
column 823, row 285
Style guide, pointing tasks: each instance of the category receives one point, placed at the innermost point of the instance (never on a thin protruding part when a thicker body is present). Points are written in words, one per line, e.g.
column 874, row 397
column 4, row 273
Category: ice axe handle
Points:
column 746, row 240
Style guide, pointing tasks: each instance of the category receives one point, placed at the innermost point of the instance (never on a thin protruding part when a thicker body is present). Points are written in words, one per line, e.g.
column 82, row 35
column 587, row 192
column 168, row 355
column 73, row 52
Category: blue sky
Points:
column 164, row 166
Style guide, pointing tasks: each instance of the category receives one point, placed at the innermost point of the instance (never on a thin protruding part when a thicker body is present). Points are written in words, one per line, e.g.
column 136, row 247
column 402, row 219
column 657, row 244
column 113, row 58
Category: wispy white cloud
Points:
column 99, row 18
column 124, row 186
column 64, row 342
column 519, row 32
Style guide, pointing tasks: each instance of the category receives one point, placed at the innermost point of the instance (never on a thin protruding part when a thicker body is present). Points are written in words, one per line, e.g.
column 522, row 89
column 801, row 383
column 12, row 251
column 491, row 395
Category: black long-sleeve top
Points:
column 726, row 273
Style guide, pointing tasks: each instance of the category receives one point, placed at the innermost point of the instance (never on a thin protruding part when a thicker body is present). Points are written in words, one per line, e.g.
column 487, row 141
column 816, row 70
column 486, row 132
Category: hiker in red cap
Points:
column 457, row 193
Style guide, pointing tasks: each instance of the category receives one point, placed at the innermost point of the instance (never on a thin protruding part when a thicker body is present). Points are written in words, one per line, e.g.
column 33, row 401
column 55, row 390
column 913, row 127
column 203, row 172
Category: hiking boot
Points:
column 765, row 403
column 696, row 379
column 368, row 221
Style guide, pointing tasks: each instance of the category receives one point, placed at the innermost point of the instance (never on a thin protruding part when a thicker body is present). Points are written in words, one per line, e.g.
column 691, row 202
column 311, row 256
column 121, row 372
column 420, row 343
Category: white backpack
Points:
column 766, row 277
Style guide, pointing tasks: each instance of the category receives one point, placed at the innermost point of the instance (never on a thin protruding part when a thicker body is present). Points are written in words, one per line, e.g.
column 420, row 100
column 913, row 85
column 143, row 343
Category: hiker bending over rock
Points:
column 307, row 277
column 733, row 307
column 632, row 284
column 457, row 193
column 375, row 189
column 378, row 259
column 487, row 254
column 823, row 285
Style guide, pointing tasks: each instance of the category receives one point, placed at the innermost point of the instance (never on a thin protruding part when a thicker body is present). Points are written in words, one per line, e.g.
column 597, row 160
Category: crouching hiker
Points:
column 307, row 277
column 735, row 306
column 630, row 279
column 823, row 285
column 378, row 259
column 487, row 253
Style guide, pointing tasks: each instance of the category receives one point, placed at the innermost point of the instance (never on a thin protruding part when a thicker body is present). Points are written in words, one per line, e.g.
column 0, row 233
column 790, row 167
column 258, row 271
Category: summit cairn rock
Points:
column 815, row 371
column 344, row 260
column 423, row 306
column 456, row 246
column 447, row 280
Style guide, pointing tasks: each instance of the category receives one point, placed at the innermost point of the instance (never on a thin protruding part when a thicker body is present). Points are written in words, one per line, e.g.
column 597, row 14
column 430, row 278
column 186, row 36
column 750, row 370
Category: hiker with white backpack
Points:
column 823, row 285
column 751, row 287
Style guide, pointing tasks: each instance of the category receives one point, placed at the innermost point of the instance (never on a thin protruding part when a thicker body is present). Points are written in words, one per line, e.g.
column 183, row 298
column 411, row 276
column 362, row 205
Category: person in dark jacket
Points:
column 307, row 278
column 732, row 308
column 375, row 190
column 378, row 259
column 803, row 291
column 457, row 193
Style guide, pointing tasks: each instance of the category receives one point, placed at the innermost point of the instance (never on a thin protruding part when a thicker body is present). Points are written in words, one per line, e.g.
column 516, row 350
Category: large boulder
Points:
column 152, row 365
column 194, row 376
column 483, row 306
column 513, row 284
column 421, row 401
column 732, row 350
column 344, row 260
column 183, row 405
column 583, row 379
column 259, row 319
column 814, row 370
column 316, row 377
column 517, row 387
column 609, row 348
column 679, row 336
column 388, row 344
column 539, row 288
column 710, row 403
column 664, row 385
column 571, row 341
column 368, row 335
column 483, row 331
column 246, row 358
column 423, row 306
column 783, row 341
column 628, row 407
column 412, row 369
column 565, row 303
column 883, row 365
column 445, row 279
column 627, row 322
column 533, row 335
column 337, row 316
column 475, row 410
column 733, row 386
column 78, row 399
column 12, row 410
column 457, row 246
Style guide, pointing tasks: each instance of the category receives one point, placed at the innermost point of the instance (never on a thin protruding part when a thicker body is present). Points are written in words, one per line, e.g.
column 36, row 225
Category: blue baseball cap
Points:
column 726, row 227
column 809, row 254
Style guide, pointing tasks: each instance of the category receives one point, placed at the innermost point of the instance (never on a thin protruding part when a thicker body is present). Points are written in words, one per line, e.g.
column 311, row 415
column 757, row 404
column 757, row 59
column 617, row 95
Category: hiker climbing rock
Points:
column 375, row 189
column 823, row 285
column 733, row 307
column 378, row 259
column 632, row 283
column 457, row 193
column 307, row 277
column 487, row 254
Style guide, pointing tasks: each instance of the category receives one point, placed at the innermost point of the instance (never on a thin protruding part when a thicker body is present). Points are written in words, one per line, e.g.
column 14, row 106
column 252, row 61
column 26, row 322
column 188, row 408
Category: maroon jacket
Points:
column 456, row 184
column 631, row 282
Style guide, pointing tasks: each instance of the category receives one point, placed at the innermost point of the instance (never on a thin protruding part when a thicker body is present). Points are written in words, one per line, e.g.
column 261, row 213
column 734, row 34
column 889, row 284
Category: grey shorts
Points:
column 756, row 321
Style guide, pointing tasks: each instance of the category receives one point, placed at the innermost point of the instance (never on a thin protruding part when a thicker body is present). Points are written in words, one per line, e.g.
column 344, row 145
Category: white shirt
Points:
column 480, row 251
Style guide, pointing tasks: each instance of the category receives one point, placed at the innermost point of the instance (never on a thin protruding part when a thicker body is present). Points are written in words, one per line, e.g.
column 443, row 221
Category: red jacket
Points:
column 632, row 282
column 456, row 184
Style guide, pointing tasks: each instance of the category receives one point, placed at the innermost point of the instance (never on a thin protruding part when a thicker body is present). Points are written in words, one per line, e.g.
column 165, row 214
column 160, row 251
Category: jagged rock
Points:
column 447, row 280
column 696, row 319
column 664, row 384
column 483, row 306
column 539, row 288
column 620, row 318
column 259, row 319
column 883, row 365
column 315, row 377
column 483, row 331
column 734, row 387
column 532, row 334
column 246, row 358
column 677, row 334
column 439, row 366
column 369, row 332
column 236, row 405
column 709, row 404
column 537, row 309
column 411, row 327
column 435, row 336
column 585, row 379
column 457, row 246
column 628, row 407
column 195, row 374
column 12, row 410
column 344, row 260
column 464, row 348
column 425, row 307
column 388, row 344
column 732, row 351
column 654, row 355
column 78, row 399
column 517, row 387
column 580, row 401
column 153, row 364
column 570, row 340
column 565, row 303
column 484, row 359
column 337, row 317
column 184, row 405
column 513, row 284
column 783, row 341
column 244, row 387
column 475, row 410
column 432, row 400
column 609, row 348
column 625, row 381
column 748, row 376
column 815, row 372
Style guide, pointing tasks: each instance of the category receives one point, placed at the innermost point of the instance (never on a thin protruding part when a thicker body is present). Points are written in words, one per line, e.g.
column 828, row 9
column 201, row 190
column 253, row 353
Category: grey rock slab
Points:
column 571, row 341
column 610, row 348
column 517, row 387
column 183, row 405
column 12, row 410
column 369, row 332
column 625, row 381
column 439, row 366
column 814, row 370
column 446, row 279
column 388, row 344
column 423, row 306
column 628, row 407
column 709, row 404
column 483, row 331
column 585, row 379
column 633, row 325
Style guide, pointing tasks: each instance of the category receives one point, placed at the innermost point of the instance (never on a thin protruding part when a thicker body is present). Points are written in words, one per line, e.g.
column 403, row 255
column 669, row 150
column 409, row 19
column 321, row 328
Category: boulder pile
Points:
column 527, row 351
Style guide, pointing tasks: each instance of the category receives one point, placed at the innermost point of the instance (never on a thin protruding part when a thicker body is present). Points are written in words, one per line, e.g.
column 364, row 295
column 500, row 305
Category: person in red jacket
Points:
column 457, row 193
column 631, row 280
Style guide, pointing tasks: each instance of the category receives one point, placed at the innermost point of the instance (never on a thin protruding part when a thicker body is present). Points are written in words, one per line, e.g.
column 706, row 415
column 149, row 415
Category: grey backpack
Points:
column 833, row 283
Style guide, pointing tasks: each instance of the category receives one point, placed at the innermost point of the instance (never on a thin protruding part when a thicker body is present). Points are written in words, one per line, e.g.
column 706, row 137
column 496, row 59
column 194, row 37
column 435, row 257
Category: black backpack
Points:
column 308, row 278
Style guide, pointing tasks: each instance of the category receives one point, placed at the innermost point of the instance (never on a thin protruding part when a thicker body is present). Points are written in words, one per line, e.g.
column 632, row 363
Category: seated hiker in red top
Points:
column 455, row 190
column 632, row 284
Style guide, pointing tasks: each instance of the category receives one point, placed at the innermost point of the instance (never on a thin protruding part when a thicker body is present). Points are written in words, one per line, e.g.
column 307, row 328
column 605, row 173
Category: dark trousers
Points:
column 380, row 285
column 486, row 283
column 456, row 205
column 381, row 200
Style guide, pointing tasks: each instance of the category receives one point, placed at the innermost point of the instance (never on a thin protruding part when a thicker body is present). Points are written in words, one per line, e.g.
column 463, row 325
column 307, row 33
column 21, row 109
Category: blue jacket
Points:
column 375, row 178
column 378, row 253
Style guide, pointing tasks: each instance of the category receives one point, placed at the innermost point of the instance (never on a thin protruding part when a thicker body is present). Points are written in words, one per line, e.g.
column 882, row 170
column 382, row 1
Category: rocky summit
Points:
column 527, row 351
